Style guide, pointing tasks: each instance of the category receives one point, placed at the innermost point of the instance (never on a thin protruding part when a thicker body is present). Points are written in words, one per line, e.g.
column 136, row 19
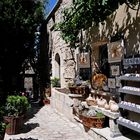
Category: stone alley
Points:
column 46, row 123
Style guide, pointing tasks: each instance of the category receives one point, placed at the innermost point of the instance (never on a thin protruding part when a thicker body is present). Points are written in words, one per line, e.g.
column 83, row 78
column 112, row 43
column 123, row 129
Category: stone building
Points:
column 122, row 25
column 64, row 60
column 115, row 48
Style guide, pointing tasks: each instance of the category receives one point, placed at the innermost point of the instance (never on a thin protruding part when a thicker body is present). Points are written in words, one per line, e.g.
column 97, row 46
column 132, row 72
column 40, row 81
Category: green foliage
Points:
column 16, row 105
column 83, row 14
column 2, row 124
column 71, row 84
column 100, row 115
column 2, row 127
column 19, row 22
column 55, row 82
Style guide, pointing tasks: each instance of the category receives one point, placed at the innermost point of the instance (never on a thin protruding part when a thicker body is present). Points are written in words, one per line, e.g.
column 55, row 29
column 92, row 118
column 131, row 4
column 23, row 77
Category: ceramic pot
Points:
column 91, row 100
column 110, row 102
column 97, row 99
column 107, row 106
column 114, row 107
column 101, row 102
column 89, row 97
column 14, row 123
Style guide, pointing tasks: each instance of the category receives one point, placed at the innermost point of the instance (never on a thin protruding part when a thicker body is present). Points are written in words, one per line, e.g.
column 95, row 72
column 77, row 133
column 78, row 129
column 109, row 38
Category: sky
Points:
column 51, row 3
column 49, row 6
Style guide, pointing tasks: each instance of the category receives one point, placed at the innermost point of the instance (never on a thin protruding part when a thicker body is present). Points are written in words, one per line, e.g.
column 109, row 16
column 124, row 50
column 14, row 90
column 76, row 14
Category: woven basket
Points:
column 96, row 122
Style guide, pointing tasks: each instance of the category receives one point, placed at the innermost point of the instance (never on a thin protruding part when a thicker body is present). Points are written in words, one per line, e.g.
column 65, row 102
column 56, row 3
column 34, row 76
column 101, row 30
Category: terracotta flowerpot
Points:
column 13, row 124
column 72, row 90
column 46, row 101
column 95, row 122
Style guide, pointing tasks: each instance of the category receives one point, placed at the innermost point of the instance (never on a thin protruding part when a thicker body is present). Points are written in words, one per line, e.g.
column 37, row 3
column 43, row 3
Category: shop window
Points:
column 84, row 73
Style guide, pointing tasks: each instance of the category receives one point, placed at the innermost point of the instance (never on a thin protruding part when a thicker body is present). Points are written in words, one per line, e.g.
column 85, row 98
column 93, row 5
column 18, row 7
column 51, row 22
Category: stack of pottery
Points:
column 91, row 100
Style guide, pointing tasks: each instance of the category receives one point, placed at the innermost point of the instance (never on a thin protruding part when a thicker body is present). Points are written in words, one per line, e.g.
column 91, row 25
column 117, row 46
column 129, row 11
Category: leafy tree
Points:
column 85, row 13
column 19, row 22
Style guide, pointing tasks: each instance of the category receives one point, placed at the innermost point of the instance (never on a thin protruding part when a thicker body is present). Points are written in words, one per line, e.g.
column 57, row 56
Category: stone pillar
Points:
column 114, row 128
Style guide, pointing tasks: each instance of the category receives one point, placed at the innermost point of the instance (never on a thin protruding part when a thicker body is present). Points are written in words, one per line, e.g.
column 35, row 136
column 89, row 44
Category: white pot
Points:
column 114, row 107
column 101, row 102
column 107, row 106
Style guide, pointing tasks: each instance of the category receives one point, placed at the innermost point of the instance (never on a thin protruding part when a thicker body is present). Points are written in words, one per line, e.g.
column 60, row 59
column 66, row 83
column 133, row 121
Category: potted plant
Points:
column 46, row 99
column 55, row 82
column 96, row 120
column 15, row 109
column 2, row 125
column 72, row 87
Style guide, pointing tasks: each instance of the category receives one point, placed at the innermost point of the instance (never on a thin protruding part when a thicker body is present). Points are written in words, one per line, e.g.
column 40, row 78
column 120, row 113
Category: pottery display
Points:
column 114, row 106
column 89, row 97
column 97, row 99
column 101, row 102
column 91, row 112
column 110, row 102
column 91, row 100
column 107, row 106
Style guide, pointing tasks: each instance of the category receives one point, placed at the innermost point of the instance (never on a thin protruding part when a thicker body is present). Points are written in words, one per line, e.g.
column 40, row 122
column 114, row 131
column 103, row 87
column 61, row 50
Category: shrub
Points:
column 16, row 105
column 55, row 82
column 2, row 124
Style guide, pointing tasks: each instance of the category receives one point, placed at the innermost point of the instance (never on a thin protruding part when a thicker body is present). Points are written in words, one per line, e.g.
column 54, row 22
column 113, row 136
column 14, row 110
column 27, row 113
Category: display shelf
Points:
column 130, row 90
column 130, row 78
column 75, row 95
column 130, row 106
column 108, row 113
column 126, row 88
column 129, row 124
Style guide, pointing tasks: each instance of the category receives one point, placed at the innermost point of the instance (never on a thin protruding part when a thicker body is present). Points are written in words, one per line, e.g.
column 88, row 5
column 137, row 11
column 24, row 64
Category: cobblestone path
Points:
column 47, row 124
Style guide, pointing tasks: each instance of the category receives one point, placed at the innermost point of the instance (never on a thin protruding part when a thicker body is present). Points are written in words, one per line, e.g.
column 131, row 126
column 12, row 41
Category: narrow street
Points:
column 46, row 124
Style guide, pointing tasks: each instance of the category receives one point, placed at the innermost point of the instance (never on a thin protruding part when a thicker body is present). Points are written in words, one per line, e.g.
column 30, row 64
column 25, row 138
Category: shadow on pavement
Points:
column 28, row 127
column 25, row 139
column 35, row 107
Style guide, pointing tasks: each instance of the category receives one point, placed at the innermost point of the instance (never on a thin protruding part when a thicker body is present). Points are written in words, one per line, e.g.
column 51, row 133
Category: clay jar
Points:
column 107, row 106
column 89, row 97
column 91, row 100
column 113, row 106
column 97, row 99
column 101, row 102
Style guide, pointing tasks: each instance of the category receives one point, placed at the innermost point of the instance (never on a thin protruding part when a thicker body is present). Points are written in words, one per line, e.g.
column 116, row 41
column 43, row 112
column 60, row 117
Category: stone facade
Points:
column 63, row 65
column 124, row 20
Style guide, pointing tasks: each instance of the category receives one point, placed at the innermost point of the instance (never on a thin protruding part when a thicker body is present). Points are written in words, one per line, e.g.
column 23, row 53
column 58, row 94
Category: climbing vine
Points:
column 84, row 13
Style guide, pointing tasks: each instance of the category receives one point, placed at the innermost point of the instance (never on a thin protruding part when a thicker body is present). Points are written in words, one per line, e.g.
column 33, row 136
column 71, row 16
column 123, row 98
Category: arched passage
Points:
column 57, row 66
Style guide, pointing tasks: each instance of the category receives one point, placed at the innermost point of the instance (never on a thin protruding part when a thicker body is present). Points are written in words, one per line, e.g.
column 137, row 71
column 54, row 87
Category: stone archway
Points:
column 57, row 66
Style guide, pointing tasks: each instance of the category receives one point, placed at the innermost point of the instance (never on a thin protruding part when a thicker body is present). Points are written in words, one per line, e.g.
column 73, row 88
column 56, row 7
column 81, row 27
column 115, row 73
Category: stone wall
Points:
column 124, row 20
column 62, row 103
column 59, row 47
